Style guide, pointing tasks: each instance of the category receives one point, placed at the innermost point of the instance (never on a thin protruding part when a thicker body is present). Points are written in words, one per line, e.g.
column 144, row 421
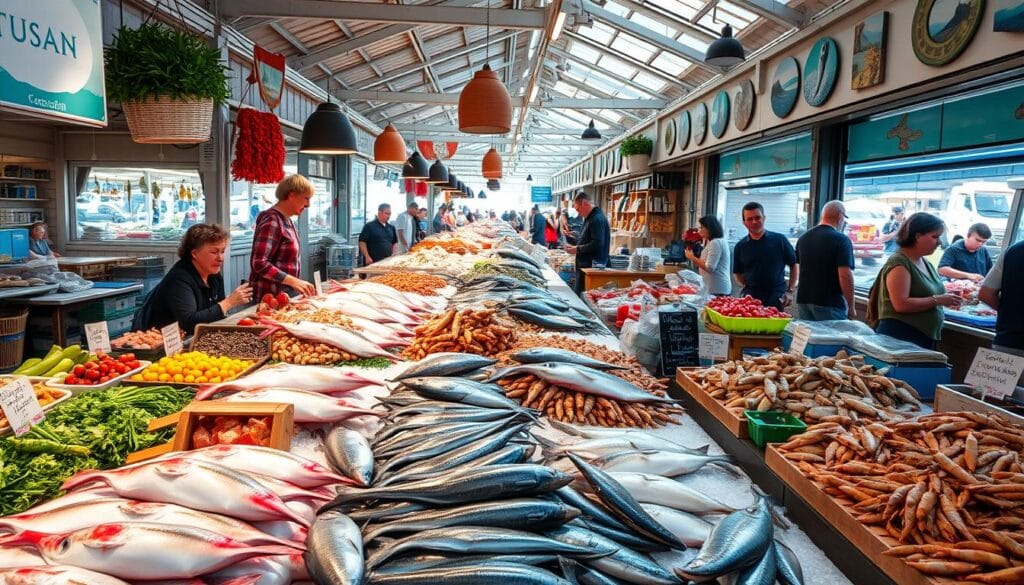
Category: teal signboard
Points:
column 916, row 132
column 988, row 118
column 784, row 156
column 51, row 59
column 540, row 194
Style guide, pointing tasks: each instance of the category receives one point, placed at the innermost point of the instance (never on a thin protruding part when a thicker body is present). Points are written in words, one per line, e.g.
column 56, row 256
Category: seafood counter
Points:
column 472, row 424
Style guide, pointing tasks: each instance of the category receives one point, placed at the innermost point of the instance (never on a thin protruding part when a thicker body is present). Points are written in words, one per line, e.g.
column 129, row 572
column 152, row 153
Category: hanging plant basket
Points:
column 162, row 120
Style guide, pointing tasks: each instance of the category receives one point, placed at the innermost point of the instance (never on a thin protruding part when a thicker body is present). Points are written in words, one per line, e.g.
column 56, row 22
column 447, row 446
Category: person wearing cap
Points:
column 826, row 254
column 968, row 258
column 406, row 226
column 891, row 229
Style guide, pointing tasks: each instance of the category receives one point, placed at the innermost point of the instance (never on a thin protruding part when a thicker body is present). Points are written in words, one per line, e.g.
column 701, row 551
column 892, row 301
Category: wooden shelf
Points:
column 20, row 180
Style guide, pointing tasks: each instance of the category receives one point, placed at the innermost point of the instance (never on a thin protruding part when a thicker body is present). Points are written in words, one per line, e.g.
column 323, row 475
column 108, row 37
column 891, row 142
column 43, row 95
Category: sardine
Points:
column 787, row 565
column 737, row 541
column 56, row 575
column 661, row 462
column 440, row 445
column 624, row 506
column 517, row 513
column 349, row 453
column 581, row 379
column 465, row 454
column 309, row 378
column 539, row 355
column 426, row 561
column 334, row 553
column 655, row 489
column 126, row 549
column 310, row 407
column 461, row 391
column 624, row 563
column 445, row 364
column 489, row 572
column 690, row 529
column 483, row 540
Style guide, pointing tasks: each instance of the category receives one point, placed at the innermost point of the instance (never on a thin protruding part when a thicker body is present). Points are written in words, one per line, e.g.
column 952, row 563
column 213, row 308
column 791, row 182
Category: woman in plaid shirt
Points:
column 276, row 258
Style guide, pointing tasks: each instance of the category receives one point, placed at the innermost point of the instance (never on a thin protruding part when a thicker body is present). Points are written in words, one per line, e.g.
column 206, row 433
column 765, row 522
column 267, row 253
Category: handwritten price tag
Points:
column 995, row 372
column 800, row 338
column 97, row 336
column 714, row 347
column 172, row 339
column 318, row 283
column 20, row 405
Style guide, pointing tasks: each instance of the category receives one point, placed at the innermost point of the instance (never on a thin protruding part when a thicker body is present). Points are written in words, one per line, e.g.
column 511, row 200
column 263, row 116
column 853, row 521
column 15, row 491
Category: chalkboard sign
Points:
column 680, row 338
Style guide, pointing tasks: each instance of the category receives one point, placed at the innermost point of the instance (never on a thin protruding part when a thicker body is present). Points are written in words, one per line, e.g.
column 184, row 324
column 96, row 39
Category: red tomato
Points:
column 93, row 375
column 78, row 370
column 282, row 299
column 246, row 322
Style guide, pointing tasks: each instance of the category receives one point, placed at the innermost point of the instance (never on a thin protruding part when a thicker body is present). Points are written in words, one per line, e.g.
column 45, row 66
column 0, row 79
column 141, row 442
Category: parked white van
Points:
column 978, row 202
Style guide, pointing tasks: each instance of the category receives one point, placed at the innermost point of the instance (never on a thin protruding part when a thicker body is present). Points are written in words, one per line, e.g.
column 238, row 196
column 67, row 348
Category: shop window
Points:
column 357, row 195
column 385, row 186
column 322, row 212
column 249, row 199
column 143, row 203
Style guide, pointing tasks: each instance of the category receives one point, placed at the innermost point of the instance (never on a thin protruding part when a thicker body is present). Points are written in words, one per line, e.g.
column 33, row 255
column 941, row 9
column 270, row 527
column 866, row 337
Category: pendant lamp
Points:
column 591, row 133
column 529, row 178
column 452, row 184
column 328, row 131
column 389, row 147
column 491, row 166
column 726, row 51
column 416, row 167
column 485, row 106
column 481, row 195
column 438, row 173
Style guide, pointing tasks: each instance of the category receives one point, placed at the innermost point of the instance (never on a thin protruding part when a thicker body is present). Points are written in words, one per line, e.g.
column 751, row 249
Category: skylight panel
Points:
column 600, row 33
column 651, row 24
column 670, row 64
column 616, row 8
column 634, row 47
column 681, row 9
column 649, row 81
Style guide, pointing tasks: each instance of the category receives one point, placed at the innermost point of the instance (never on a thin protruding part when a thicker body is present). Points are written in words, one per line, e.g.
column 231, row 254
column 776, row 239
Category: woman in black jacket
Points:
column 192, row 292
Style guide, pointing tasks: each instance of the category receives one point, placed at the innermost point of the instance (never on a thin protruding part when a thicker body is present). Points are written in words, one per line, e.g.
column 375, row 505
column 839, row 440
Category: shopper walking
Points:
column 538, row 223
column 908, row 295
column 406, row 227
column 379, row 238
column 595, row 239
column 551, row 231
column 713, row 263
column 275, row 260
column 968, row 258
column 826, row 261
column 1006, row 296
column 760, row 260
column 890, row 231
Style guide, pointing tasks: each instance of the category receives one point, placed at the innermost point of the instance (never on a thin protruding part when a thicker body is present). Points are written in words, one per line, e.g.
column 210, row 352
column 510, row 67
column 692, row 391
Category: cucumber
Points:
column 44, row 366
column 64, row 365
column 71, row 352
column 28, row 364
column 54, row 349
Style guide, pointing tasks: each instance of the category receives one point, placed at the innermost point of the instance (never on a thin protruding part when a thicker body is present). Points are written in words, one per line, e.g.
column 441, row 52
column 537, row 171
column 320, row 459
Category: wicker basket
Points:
column 162, row 120
column 12, row 337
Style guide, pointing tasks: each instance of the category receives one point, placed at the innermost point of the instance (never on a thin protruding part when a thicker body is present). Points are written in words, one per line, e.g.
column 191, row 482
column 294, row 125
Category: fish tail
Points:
column 83, row 478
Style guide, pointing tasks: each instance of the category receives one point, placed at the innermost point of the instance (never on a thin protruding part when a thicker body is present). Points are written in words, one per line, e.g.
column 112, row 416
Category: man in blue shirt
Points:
column 595, row 238
column 826, row 254
column 891, row 229
column 968, row 258
column 538, row 223
column 1003, row 290
column 759, row 261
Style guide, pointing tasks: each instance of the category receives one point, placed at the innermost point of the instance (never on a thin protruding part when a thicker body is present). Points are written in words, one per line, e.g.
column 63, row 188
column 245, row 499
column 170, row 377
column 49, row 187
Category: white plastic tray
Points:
column 55, row 382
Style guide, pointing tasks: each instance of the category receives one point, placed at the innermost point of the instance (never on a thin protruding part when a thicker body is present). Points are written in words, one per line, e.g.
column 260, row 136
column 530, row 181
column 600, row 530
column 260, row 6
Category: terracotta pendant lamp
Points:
column 416, row 167
column 491, row 166
column 438, row 173
column 389, row 147
column 485, row 107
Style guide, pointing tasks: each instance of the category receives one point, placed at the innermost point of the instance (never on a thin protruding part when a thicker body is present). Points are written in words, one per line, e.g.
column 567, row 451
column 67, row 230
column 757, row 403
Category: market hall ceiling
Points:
column 615, row 62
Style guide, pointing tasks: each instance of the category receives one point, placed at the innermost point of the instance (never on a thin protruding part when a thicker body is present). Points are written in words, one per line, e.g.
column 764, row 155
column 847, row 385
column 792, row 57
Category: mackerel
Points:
column 739, row 540
column 480, row 574
column 512, row 453
column 465, row 454
column 385, row 511
column 335, row 550
column 586, row 380
column 626, row 537
column 787, row 565
column 539, row 355
column 763, row 572
column 460, row 391
column 517, row 513
column 578, row 574
column 438, row 560
column 624, row 563
column 437, row 446
column 349, row 453
column 591, row 510
column 445, row 364
column 554, row 322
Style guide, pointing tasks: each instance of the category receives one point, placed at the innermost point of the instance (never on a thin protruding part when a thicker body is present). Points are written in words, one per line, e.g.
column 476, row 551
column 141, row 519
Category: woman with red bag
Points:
column 550, row 232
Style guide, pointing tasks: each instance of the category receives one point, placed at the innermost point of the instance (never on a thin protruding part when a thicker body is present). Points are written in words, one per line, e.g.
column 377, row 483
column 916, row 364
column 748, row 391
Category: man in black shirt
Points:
column 759, row 261
column 595, row 239
column 378, row 238
column 826, row 261
column 1003, row 290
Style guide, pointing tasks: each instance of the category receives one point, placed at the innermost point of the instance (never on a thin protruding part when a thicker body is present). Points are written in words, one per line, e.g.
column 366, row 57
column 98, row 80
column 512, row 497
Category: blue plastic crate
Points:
column 923, row 377
column 812, row 350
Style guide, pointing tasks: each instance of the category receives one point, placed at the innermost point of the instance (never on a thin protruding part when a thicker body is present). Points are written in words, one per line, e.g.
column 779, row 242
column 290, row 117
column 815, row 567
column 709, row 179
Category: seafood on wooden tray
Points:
column 836, row 389
column 471, row 331
column 949, row 487
column 412, row 282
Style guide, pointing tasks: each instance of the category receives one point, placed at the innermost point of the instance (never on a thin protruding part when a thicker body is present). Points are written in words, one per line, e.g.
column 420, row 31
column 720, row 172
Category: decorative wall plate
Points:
column 1009, row 16
column 700, row 123
column 618, row 161
column 684, row 130
column 942, row 29
column 820, row 71
column 743, row 105
column 720, row 113
column 670, row 137
column 785, row 87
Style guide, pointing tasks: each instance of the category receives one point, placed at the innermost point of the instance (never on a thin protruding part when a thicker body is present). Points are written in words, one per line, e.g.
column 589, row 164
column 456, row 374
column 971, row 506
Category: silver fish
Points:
column 517, row 513
column 465, row 454
column 461, row 391
column 660, row 462
column 624, row 563
column 349, row 453
column 539, row 355
column 625, row 537
column 553, row 322
column 739, row 540
column 276, row 463
column 334, row 553
column 344, row 339
column 592, row 511
column 12, row 557
column 428, row 419
column 513, row 453
column 690, row 529
column 577, row 574
column 787, row 565
column 56, row 575
column 438, row 445
column 595, row 448
column 427, row 561
column 310, row 407
column 482, row 540
column 309, row 378
column 445, row 364
column 586, row 380
column 387, row 447
column 655, row 489
column 763, row 572
column 385, row 511
column 477, row 574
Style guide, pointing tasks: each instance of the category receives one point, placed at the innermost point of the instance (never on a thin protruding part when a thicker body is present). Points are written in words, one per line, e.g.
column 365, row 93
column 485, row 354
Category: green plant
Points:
column 636, row 144
column 155, row 60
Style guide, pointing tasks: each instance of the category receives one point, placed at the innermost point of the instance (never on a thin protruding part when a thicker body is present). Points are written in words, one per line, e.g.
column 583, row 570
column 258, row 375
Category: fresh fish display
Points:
column 578, row 574
column 488, row 572
column 624, row 537
column 465, row 454
column 540, row 355
column 553, row 322
column 385, row 511
column 445, row 364
column 344, row 339
column 787, row 565
column 662, row 463
column 514, row 254
column 391, row 330
column 740, row 540
column 265, row 461
column 516, row 513
column 349, row 307
column 636, row 441
column 662, row 491
column 310, row 407
column 126, row 549
column 512, row 453
column 624, row 563
column 193, row 483
column 387, row 448
column 585, row 380
column 310, row 378
column 56, row 575
column 349, row 453
column 440, row 445
column 334, row 550
column 689, row 529
column 427, row 561
column 461, row 391
column 447, row 416
column 591, row 511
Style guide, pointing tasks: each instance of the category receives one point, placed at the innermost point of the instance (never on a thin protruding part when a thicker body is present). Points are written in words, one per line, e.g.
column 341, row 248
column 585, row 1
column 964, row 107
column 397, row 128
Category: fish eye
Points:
column 64, row 545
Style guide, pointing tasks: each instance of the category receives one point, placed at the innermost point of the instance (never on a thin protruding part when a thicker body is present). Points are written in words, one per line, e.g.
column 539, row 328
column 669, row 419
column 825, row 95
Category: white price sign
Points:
column 20, row 405
column 172, row 339
column 97, row 337
column 714, row 347
column 318, row 283
column 995, row 372
column 800, row 338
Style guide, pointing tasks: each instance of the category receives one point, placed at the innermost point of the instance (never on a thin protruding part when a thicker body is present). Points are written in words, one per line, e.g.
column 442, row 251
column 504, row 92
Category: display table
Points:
column 740, row 341
column 596, row 277
column 91, row 267
column 60, row 304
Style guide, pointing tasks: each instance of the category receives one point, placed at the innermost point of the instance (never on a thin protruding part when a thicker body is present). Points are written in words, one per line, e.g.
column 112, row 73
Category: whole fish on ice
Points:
column 312, row 378
column 276, row 463
column 658, row 462
column 445, row 363
column 344, row 339
column 334, row 550
column 581, row 379
column 540, row 355
column 56, row 575
column 310, row 407
column 349, row 453
column 655, row 489
column 738, row 541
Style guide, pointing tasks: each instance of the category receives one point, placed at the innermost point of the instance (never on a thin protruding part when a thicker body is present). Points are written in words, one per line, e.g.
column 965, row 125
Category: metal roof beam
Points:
column 659, row 40
column 632, row 61
column 775, row 11
column 655, row 12
column 347, row 46
column 611, row 103
column 600, row 95
column 611, row 75
column 408, row 97
column 438, row 59
column 567, row 142
column 249, row 24
column 525, row 19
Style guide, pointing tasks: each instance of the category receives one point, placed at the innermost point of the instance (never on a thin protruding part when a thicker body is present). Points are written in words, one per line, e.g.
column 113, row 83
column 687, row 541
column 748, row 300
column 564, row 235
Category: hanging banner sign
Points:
column 540, row 194
column 269, row 73
column 51, row 59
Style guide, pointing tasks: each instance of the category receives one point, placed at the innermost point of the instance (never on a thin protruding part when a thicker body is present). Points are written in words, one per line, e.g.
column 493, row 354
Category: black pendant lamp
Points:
column 452, row 184
column 438, row 173
column 591, row 133
column 529, row 178
column 416, row 167
column 726, row 51
column 328, row 131
column 481, row 195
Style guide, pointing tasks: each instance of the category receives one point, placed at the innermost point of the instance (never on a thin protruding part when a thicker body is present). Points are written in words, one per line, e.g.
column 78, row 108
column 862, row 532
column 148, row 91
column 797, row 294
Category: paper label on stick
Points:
column 318, row 283
column 172, row 339
column 801, row 336
column 995, row 372
column 20, row 405
column 714, row 346
column 97, row 336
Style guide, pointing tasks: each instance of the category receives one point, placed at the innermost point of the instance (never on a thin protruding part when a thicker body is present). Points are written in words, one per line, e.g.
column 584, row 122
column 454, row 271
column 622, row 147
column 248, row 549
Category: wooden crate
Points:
column 737, row 425
column 872, row 541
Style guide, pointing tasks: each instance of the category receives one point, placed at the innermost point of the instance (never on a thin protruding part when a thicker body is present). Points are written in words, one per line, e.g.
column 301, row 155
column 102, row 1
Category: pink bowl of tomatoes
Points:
column 103, row 372
column 746, row 315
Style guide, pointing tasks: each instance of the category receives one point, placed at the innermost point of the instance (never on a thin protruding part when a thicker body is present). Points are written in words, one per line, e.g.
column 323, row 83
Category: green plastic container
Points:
column 772, row 426
column 749, row 325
